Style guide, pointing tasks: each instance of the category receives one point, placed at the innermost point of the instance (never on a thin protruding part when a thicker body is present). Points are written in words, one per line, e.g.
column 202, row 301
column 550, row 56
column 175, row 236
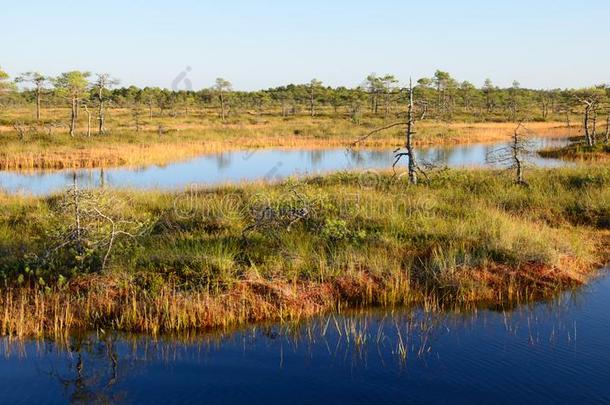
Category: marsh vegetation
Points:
column 380, row 354
column 214, row 257
column 159, row 261
column 76, row 120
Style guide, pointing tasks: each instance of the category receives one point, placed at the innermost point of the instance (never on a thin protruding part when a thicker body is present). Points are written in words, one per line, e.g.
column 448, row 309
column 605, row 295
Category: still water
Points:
column 262, row 164
column 547, row 353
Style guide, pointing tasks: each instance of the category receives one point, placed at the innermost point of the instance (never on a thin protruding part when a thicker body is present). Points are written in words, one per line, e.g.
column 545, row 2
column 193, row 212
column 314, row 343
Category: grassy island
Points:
column 164, row 262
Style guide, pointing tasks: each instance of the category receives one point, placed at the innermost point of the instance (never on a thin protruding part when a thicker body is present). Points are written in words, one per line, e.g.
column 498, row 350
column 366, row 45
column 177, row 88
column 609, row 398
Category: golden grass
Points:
column 114, row 303
column 184, row 141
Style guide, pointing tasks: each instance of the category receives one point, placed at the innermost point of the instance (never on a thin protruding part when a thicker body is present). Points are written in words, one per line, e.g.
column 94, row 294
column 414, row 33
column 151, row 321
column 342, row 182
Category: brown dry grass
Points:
column 107, row 302
column 189, row 140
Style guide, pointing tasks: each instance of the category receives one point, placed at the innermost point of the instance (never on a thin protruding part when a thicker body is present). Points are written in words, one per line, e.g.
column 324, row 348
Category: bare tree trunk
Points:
column 312, row 108
column 222, row 106
column 439, row 99
column 490, row 103
column 545, row 109
column 519, row 170
column 518, row 148
column 607, row 134
column 386, row 111
column 88, row 121
column 594, row 126
column 408, row 140
column 375, row 103
column 73, row 116
column 101, row 116
column 424, row 111
column 38, row 102
column 517, row 159
column 586, row 125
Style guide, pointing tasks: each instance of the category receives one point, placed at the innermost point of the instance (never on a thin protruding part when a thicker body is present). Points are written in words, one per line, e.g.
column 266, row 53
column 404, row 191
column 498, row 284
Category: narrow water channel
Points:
column 546, row 353
column 260, row 164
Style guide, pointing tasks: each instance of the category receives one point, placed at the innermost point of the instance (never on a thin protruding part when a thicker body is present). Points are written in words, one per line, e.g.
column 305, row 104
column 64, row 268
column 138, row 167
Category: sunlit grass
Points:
column 166, row 139
column 469, row 236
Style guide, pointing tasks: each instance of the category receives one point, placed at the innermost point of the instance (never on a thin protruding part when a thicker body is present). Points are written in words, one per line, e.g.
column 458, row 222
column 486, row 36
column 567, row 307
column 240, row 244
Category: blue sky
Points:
column 259, row 44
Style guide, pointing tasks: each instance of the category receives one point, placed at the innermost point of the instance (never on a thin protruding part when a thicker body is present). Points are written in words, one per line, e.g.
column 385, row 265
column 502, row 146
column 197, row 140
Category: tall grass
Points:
column 210, row 259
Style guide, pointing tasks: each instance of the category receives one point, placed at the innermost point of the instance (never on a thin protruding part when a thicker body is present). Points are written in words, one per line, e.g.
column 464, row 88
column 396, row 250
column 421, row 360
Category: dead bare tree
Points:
column 407, row 150
column 517, row 148
column 98, row 366
column 423, row 105
column 514, row 155
column 594, row 125
column 590, row 99
column 88, row 119
column 101, row 85
column 89, row 224
column 588, row 107
column 408, row 141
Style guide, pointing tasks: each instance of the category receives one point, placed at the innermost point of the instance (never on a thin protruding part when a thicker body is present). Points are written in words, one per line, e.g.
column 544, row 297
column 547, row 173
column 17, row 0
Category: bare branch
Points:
column 363, row 138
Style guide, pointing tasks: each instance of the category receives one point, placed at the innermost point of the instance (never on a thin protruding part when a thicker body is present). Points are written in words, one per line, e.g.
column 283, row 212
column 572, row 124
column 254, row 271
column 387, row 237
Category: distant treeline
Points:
column 439, row 97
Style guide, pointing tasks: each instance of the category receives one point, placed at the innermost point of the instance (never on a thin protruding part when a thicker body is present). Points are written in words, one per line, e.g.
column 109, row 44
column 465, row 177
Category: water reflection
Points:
column 266, row 164
column 223, row 160
column 315, row 157
column 547, row 352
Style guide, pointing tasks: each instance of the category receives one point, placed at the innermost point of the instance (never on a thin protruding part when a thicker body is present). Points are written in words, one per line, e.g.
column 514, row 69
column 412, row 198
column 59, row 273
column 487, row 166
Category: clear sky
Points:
column 259, row 44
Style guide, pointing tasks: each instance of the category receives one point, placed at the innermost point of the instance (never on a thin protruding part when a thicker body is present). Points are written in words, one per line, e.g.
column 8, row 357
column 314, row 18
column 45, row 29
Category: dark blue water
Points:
column 264, row 164
column 548, row 353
